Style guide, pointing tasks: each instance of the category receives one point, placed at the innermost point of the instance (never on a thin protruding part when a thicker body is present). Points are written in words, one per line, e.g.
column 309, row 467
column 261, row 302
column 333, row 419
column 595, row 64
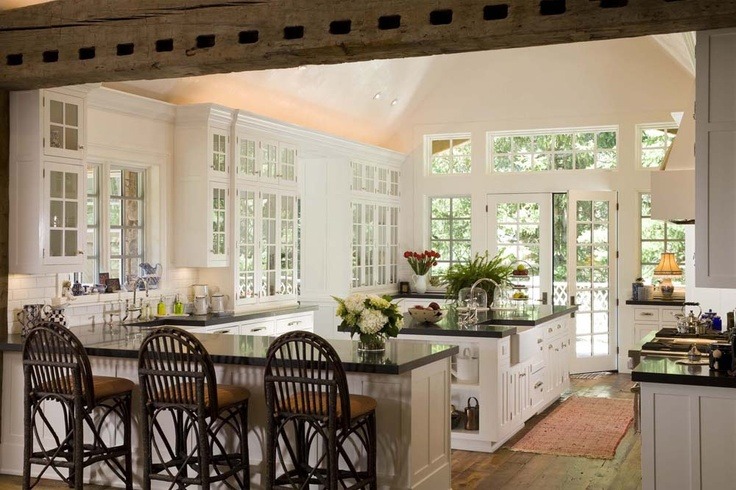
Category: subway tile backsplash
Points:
column 25, row 289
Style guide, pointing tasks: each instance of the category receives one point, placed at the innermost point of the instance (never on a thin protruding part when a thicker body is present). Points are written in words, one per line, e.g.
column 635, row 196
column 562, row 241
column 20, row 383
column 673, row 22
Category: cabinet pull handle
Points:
column 295, row 322
column 559, row 326
column 539, row 341
column 80, row 252
column 221, row 331
column 538, row 384
column 521, row 375
column 550, row 330
column 550, row 347
column 258, row 329
column 647, row 314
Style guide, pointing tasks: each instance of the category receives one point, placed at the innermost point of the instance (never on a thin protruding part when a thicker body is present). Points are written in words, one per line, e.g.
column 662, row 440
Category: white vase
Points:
column 420, row 283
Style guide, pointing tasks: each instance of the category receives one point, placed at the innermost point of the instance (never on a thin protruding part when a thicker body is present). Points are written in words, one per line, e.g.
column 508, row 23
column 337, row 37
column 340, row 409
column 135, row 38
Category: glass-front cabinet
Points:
column 64, row 200
column 266, row 160
column 375, row 244
column 267, row 245
column 63, row 125
column 219, row 217
column 219, row 153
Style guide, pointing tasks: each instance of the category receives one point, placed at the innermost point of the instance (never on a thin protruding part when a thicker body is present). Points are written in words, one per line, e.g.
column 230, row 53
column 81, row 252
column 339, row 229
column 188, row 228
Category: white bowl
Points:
column 426, row 315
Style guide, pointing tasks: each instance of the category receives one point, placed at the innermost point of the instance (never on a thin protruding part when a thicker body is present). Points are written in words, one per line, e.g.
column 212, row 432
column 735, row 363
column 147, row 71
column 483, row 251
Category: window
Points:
column 449, row 225
column 375, row 244
column 448, row 154
column 658, row 237
column 537, row 151
column 115, row 227
column 654, row 140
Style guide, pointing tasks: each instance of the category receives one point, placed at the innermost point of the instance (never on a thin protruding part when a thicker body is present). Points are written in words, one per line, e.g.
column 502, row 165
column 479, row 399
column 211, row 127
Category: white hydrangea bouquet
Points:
column 374, row 318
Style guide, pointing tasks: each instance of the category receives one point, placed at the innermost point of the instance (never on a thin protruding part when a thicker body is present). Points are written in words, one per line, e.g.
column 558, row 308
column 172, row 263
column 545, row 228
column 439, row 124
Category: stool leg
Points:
column 78, row 443
column 27, row 438
column 245, row 459
column 146, row 441
column 372, row 451
column 127, row 441
column 204, row 452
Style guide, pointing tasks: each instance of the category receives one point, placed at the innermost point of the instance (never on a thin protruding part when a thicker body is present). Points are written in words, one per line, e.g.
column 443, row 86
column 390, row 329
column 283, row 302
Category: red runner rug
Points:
column 580, row 426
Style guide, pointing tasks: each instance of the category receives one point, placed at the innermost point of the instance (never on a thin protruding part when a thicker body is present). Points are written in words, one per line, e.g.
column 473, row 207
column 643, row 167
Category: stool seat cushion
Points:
column 107, row 386
column 359, row 405
column 227, row 395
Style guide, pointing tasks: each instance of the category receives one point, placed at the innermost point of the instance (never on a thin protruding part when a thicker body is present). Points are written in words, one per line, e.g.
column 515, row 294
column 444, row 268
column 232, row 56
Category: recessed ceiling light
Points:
column 377, row 96
column 395, row 101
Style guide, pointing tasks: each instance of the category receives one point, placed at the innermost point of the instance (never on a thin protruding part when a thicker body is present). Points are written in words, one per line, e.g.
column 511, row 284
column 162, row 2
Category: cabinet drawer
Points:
column 504, row 349
column 296, row 322
column 646, row 314
column 668, row 315
column 260, row 329
column 554, row 328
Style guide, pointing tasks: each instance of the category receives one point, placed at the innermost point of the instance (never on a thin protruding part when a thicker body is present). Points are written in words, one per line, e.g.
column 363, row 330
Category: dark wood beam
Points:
column 76, row 41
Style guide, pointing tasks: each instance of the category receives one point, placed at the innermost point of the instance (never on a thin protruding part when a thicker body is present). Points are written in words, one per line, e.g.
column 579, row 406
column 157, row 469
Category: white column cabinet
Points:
column 715, row 151
column 202, row 194
column 47, row 219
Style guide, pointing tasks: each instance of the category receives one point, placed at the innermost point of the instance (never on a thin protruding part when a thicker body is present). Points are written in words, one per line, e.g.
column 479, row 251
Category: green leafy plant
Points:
column 464, row 274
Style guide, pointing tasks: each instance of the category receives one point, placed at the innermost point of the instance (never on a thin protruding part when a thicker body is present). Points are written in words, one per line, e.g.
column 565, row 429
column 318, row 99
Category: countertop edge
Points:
column 655, row 302
column 438, row 332
column 685, row 379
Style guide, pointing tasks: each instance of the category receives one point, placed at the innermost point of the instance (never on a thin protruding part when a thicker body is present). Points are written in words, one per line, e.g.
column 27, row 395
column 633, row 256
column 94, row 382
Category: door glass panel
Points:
column 70, row 185
column 70, row 215
column 70, row 243
column 56, row 214
column 72, row 115
column 56, row 184
column 56, row 111
column 518, row 234
column 71, row 139
column 56, row 243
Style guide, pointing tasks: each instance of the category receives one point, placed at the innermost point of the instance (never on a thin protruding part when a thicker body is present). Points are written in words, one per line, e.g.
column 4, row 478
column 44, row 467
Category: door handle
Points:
column 544, row 298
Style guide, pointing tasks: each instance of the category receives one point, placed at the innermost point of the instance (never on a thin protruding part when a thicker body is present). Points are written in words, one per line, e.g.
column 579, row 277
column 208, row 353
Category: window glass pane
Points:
column 450, row 229
column 449, row 155
column 116, row 184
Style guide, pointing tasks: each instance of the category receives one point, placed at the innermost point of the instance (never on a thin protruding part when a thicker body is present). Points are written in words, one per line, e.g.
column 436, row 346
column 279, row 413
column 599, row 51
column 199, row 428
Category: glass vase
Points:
column 371, row 343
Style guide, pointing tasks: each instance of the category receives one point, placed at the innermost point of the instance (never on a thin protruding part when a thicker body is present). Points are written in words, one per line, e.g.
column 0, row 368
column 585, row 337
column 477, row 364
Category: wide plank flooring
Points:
column 507, row 469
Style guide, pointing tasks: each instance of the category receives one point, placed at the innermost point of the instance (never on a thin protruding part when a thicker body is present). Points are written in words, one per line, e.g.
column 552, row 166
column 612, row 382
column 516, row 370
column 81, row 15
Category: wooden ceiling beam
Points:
column 85, row 41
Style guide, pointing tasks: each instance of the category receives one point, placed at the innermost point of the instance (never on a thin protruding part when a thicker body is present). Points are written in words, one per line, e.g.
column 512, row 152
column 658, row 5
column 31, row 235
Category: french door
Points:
column 521, row 226
column 592, row 278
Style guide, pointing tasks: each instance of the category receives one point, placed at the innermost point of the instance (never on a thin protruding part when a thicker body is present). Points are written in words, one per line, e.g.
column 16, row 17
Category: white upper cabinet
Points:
column 715, row 171
column 47, row 194
column 63, row 125
column 202, row 161
column 374, row 179
column 265, row 159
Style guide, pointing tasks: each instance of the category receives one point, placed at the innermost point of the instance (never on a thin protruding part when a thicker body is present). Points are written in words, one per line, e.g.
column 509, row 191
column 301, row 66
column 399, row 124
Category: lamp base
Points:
column 667, row 288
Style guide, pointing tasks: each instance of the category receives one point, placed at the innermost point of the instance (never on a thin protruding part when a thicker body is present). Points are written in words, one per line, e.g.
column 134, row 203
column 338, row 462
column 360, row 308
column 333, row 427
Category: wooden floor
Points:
column 507, row 469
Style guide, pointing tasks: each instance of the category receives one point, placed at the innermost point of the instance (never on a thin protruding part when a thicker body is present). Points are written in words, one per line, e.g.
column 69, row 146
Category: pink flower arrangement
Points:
column 421, row 262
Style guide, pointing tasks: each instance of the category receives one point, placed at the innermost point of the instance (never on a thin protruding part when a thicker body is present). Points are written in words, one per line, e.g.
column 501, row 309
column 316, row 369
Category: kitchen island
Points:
column 520, row 364
column 688, row 424
column 410, row 381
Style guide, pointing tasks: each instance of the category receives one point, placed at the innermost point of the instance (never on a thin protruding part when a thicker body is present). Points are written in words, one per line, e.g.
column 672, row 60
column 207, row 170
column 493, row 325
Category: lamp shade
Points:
column 667, row 266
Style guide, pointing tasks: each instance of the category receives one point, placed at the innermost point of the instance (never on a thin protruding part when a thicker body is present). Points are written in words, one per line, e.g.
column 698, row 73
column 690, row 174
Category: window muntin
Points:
column 658, row 237
column 115, row 227
column 449, row 225
column 654, row 140
column 537, row 151
column 449, row 154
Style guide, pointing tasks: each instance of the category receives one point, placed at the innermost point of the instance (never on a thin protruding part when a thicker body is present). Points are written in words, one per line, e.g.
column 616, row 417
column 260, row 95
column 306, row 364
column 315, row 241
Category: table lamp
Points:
column 666, row 269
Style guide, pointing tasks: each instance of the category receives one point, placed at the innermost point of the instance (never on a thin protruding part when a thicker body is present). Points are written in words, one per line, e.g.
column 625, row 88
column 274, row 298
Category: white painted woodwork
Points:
column 509, row 392
column 33, row 163
column 687, row 436
column 412, row 420
column 636, row 321
column 196, row 179
column 269, row 326
column 715, row 149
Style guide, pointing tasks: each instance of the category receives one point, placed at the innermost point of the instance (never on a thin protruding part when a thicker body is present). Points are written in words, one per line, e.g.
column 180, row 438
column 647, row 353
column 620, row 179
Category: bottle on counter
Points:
column 161, row 307
column 178, row 306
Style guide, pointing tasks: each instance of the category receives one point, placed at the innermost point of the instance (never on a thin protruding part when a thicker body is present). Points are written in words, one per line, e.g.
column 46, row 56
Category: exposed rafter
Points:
column 78, row 41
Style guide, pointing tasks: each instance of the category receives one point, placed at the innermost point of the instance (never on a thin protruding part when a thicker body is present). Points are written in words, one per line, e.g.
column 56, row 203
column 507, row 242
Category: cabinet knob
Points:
column 550, row 330
column 539, row 341
column 81, row 147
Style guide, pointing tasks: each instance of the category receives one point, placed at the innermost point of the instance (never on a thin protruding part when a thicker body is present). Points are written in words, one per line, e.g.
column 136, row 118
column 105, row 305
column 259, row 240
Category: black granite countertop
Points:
column 656, row 369
column 400, row 356
column 210, row 319
column 656, row 302
column 427, row 295
column 495, row 324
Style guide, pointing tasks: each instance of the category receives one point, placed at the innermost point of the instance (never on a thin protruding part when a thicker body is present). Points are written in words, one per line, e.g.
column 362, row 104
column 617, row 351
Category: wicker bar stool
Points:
column 178, row 383
column 56, row 369
column 313, row 421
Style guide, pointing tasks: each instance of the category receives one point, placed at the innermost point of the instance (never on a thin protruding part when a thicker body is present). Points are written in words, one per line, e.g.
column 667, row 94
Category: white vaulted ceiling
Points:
column 339, row 99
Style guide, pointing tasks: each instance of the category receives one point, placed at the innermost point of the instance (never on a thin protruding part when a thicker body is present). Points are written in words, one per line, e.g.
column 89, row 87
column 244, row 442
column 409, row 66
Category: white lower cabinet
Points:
column 515, row 381
column 687, row 436
column 266, row 326
column 644, row 319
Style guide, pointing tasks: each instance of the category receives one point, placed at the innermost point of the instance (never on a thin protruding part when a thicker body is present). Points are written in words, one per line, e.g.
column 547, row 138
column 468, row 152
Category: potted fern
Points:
column 464, row 274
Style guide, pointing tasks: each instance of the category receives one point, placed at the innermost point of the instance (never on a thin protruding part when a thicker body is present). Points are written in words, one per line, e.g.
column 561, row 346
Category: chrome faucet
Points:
column 135, row 288
column 482, row 279
column 134, row 307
